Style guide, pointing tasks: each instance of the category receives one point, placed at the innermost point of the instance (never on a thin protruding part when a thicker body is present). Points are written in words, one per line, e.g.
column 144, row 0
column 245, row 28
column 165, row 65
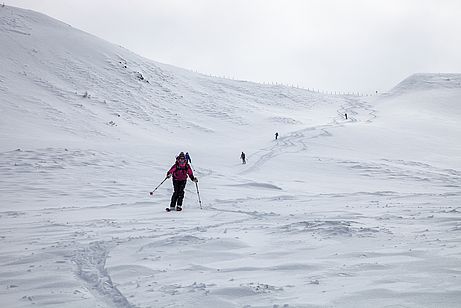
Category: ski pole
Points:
column 198, row 194
column 152, row 192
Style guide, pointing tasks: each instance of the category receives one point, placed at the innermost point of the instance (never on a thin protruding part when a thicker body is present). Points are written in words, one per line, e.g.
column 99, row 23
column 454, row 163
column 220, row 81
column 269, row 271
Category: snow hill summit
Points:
column 336, row 212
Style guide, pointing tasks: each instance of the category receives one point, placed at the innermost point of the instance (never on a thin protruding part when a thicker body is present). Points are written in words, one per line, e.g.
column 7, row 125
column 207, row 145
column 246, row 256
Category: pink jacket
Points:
column 180, row 173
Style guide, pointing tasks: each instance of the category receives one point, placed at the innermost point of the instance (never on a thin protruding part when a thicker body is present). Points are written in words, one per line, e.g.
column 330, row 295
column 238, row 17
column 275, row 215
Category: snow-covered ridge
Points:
column 96, row 90
column 419, row 82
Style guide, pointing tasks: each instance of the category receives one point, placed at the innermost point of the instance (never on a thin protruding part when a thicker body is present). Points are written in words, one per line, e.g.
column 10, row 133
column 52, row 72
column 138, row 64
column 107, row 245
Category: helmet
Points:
column 180, row 156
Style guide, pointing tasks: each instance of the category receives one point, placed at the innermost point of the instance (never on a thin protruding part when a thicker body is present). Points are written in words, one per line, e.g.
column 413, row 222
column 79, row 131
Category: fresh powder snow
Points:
column 356, row 212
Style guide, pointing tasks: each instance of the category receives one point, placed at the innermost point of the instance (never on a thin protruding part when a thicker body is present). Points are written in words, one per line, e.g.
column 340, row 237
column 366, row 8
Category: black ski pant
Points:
column 178, row 194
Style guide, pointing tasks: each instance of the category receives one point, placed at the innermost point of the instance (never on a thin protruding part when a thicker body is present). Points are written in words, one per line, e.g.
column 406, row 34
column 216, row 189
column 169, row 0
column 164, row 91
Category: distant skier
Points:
column 345, row 115
column 242, row 157
column 188, row 160
column 276, row 136
column 180, row 171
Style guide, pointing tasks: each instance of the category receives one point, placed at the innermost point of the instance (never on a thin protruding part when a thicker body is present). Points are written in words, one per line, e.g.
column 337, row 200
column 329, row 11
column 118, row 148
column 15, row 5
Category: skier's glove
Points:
column 195, row 180
column 168, row 175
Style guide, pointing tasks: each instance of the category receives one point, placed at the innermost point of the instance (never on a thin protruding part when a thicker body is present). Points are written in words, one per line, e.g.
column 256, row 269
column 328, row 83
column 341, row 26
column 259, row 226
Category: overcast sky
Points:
column 334, row 45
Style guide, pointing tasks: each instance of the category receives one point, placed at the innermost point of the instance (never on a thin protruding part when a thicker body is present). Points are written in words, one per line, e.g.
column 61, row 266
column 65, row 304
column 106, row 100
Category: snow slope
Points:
column 335, row 213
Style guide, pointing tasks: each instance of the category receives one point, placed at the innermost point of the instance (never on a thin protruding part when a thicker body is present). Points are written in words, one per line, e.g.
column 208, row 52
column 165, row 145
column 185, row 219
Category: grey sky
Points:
column 334, row 45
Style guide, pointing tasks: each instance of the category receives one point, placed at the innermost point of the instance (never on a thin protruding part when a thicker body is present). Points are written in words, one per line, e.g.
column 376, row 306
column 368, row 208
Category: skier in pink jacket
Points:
column 180, row 171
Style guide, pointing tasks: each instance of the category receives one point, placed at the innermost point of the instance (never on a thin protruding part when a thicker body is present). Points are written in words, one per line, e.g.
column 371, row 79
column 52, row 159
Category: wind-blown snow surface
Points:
column 335, row 213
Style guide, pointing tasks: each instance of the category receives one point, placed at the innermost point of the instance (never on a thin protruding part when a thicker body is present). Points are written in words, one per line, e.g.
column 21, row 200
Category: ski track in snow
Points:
column 90, row 262
column 298, row 141
column 82, row 246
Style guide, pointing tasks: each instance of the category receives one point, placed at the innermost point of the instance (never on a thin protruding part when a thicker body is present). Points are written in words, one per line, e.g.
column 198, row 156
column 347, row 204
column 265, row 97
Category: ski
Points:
column 172, row 209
